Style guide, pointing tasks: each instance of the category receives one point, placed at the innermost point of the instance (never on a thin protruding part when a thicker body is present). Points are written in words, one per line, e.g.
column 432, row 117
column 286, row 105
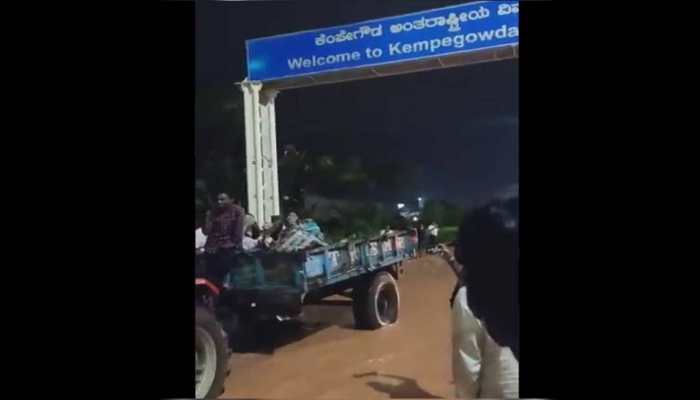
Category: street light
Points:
column 400, row 206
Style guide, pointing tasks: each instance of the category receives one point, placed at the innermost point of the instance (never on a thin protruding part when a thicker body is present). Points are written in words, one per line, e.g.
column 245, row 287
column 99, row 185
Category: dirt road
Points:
column 322, row 356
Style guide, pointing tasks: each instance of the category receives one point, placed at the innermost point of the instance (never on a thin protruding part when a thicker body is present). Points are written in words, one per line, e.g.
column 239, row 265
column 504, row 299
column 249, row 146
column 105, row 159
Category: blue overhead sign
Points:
column 421, row 35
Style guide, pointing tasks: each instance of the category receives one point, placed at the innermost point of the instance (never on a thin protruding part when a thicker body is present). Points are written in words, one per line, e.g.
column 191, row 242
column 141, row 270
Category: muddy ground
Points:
column 321, row 355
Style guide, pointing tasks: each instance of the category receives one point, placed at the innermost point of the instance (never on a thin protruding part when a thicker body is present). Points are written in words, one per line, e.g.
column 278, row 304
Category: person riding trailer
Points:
column 298, row 236
column 224, row 230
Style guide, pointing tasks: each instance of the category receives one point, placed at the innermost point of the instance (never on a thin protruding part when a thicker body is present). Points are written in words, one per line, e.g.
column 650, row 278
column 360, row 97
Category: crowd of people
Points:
column 229, row 228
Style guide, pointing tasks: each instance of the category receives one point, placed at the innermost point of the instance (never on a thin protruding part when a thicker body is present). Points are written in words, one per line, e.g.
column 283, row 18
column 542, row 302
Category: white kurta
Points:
column 200, row 239
column 481, row 368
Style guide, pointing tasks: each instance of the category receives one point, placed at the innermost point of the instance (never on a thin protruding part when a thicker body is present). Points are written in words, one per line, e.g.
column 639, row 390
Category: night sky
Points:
column 457, row 128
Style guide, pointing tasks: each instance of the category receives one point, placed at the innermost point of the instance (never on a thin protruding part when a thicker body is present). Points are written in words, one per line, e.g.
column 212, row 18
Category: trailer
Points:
column 263, row 285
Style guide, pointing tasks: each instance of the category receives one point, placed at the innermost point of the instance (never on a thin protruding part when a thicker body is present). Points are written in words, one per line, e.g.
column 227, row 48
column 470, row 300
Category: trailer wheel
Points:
column 377, row 305
column 211, row 355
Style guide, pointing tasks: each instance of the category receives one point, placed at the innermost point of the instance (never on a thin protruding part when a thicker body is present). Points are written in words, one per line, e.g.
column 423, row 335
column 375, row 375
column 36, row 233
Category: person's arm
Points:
column 238, row 222
column 208, row 224
column 450, row 259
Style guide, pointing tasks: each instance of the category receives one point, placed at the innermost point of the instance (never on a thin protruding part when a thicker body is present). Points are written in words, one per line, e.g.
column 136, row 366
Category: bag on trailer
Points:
column 312, row 228
column 296, row 240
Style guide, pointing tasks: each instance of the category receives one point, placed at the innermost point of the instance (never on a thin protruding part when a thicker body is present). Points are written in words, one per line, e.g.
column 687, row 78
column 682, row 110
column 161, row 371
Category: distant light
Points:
column 400, row 205
column 415, row 219
column 420, row 199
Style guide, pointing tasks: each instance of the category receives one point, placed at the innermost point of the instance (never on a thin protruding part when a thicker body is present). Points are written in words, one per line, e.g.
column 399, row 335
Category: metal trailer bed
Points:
column 272, row 284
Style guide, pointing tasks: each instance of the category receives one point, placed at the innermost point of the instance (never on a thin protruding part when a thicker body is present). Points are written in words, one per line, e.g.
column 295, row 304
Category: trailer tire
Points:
column 211, row 355
column 377, row 304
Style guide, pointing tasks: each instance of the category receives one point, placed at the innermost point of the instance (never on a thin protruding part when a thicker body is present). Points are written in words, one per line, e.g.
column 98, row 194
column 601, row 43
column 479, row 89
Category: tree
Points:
column 219, row 144
column 453, row 214
column 293, row 170
column 433, row 211
column 443, row 212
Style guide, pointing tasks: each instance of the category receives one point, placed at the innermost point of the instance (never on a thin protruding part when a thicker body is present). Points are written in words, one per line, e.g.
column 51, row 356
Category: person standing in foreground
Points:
column 485, row 306
column 224, row 230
